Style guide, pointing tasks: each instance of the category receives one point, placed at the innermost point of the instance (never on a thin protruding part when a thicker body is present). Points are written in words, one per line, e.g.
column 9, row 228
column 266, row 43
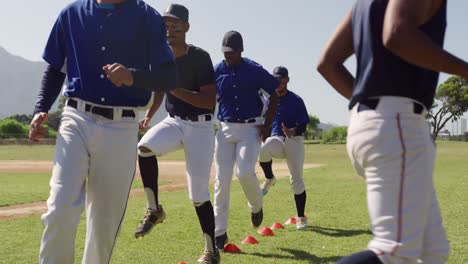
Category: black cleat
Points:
column 150, row 219
column 209, row 257
column 257, row 218
column 221, row 240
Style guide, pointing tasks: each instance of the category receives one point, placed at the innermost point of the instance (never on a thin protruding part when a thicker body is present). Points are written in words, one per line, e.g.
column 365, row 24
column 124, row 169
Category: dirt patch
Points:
column 172, row 172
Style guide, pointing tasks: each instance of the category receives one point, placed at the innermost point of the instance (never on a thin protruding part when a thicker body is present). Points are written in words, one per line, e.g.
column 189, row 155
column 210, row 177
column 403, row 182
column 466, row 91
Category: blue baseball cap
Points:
column 232, row 41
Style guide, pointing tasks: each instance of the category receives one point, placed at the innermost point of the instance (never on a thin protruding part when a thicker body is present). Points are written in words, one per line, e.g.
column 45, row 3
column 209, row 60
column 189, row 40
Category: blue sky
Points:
column 276, row 32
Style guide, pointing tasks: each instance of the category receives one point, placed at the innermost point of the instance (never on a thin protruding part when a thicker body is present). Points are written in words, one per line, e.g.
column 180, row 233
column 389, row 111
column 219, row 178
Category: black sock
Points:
column 363, row 257
column 149, row 175
column 205, row 215
column 266, row 167
column 300, row 203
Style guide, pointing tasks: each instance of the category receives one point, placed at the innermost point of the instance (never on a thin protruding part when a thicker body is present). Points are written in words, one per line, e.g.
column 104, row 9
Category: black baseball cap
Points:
column 280, row 72
column 177, row 11
column 232, row 41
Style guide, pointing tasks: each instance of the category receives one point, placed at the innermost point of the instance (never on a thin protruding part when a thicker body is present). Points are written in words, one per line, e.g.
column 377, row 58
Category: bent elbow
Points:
column 391, row 37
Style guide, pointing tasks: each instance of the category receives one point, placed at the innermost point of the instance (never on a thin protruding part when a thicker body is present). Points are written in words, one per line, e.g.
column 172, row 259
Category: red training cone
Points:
column 290, row 221
column 231, row 248
column 182, row 262
column 277, row 226
column 266, row 231
column 249, row 240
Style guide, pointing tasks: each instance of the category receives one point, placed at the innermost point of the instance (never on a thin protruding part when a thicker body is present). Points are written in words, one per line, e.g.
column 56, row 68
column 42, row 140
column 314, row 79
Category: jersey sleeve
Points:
column 302, row 115
column 204, row 70
column 268, row 83
column 55, row 50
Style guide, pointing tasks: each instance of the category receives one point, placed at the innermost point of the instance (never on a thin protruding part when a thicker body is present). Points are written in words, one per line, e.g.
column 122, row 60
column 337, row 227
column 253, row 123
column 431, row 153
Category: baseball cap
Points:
column 177, row 11
column 280, row 72
column 232, row 41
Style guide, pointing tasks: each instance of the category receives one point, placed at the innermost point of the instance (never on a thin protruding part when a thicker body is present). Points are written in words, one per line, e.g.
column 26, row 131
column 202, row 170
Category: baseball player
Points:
column 112, row 54
column 286, row 141
column 188, row 126
column 241, row 84
column 398, row 46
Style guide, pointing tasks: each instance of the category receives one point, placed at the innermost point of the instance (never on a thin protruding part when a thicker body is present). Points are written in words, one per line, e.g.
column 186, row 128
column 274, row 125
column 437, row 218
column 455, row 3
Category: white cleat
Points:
column 301, row 222
column 266, row 185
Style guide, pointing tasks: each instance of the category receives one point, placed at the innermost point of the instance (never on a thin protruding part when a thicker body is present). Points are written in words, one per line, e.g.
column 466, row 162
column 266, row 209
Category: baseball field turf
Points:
column 336, row 208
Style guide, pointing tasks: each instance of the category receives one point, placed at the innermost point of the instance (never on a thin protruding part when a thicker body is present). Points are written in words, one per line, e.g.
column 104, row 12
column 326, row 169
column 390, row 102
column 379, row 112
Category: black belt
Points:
column 102, row 111
column 252, row 120
column 194, row 118
column 371, row 104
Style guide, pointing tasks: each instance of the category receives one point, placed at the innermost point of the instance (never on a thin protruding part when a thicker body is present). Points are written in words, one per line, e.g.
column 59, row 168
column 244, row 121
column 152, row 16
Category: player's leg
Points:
column 112, row 168
column 396, row 160
column 294, row 148
column 199, row 145
column 164, row 137
column 247, row 151
column 272, row 147
column 67, row 190
column 225, row 155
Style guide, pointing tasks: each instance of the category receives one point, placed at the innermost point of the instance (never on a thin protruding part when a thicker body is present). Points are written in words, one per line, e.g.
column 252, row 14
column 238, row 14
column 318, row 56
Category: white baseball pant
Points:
column 391, row 147
column 293, row 150
column 197, row 139
column 94, row 164
column 240, row 144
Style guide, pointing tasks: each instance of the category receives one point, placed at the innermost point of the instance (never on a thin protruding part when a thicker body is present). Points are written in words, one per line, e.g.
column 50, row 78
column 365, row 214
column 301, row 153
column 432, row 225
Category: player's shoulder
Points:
column 197, row 51
column 251, row 62
column 147, row 10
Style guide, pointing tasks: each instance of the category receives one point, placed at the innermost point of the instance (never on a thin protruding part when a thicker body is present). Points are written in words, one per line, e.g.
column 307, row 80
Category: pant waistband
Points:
column 384, row 103
column 251, row 120
column 107, row 112
column 194, row 118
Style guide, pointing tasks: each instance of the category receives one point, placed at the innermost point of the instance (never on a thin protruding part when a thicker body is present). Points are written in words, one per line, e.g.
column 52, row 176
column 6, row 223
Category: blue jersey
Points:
column 88, row 36
column 380, row 72
column 239, row 89
column 292, row 113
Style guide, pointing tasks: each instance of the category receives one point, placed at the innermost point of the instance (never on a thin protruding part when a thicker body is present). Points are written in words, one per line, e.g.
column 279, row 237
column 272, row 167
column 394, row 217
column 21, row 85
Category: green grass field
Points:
column 335, row 205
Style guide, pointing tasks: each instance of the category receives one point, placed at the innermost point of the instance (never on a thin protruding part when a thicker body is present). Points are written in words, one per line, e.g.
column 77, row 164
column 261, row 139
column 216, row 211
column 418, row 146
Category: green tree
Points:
column 10, row 128
column 451, row 102
column 312, row 128
column 335, row 134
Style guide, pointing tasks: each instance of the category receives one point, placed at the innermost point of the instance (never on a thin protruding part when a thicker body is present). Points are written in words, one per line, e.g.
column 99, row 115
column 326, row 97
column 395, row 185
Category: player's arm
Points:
column 205, row 98
column 337, row 50
column 205, row 77
column 402, row 36
column 301, row 122
column 158, row 97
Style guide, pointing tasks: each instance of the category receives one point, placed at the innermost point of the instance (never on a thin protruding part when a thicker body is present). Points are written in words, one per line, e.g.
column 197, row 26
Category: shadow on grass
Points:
column 298, row 255
column 335, row 232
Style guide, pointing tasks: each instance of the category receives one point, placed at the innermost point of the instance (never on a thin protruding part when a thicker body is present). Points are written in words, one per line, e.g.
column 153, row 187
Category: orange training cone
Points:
column 182, row 262
column 290, row 221
column 266, row 231
column 277, row 226
column 249, row 240
column 231, row 248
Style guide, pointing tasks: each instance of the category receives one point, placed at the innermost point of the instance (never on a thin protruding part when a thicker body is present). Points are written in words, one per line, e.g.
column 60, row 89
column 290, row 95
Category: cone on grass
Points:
column 277, row 226
column 249, row 240
column 182, row 262
column 290, row 221
column 231, row 248
column 266, row 231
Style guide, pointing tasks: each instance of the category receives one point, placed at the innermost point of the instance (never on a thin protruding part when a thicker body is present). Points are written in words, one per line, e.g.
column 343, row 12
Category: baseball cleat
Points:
column 267, row 184
column 209, row 257
column 151, row 218
column 301, row 222
column 221, row 240
column 257, row 218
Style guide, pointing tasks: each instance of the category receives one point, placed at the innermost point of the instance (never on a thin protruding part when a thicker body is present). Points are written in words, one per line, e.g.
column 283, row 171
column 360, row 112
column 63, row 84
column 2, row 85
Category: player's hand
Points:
column 264, row 132
column 118, row 74
column 36, row 130
column 288, row 132
column 144, row 123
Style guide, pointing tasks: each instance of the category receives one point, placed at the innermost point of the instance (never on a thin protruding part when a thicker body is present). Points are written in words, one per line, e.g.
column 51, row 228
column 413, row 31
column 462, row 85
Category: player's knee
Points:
column 145, row 152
